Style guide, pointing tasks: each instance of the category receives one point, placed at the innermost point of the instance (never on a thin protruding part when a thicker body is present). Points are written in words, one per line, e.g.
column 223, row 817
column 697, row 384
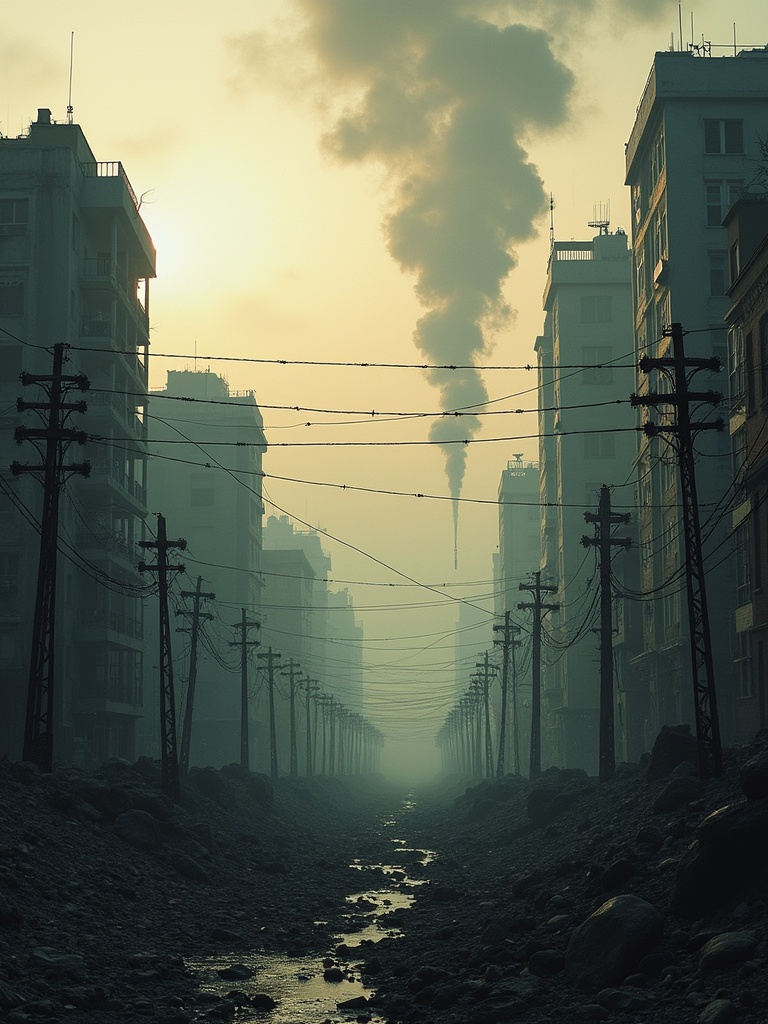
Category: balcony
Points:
column 111, row 471
column 109, row 544
column 96, row 621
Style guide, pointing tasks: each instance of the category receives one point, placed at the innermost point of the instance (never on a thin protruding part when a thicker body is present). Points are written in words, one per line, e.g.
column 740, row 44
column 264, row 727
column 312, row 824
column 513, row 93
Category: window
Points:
column 720, row 197
column 764, row 357
column 749, row 372
column 14, row 211
column 757, row 546
column 11, row 298
column 723, row 136
column 596, row 309
column 595, row 358
column 736, row 366
column 742, row 665
column 600, row 445
column 718, row 274
column 641, row 279
column 657, row 157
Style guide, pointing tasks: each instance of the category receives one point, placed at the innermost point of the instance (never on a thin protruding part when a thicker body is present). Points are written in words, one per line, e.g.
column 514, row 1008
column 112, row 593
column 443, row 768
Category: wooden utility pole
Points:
column 52, row 442
column 292, row 671
column 539, row 609
column 272, row 658
column 197, row 596
column 310, row 688
column 169, row 759
column 679, row 370
column 507, row 644
column 486, row 671
column 244, row 643
column 603, row 541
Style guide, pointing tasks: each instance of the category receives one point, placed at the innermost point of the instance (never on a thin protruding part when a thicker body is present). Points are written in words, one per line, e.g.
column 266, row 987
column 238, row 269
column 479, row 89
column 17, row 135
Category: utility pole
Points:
column 310, row 688
column 169, row 759
column 272, row 658
column 244, row 643
column 538, row 607
column 680, row 370
column 52, row 442
column 486, row 670
column 292, row 671
column 197, row 596
column 507, row 644
column 603, row 541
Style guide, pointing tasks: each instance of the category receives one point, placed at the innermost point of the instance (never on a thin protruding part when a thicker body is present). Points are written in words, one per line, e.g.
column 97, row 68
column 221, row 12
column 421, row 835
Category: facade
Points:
column 519, row 529
column 210, row 497
column 586, row 441
column 75, row 265
column 693, row 148
column 747, row 227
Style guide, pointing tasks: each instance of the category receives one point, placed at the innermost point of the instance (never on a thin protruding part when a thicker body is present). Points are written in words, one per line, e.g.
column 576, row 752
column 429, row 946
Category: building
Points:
column 587, row 440
column 519, row 529
column 747, row 233
column 206, row 444
column 75, row 264
column 694, row 146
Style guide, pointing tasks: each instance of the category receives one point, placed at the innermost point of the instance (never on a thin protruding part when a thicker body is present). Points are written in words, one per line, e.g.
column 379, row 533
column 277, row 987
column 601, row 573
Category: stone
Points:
column 545, row 803
column 355, row 1003
column 138, row 829
column 546, row 961
column 719, row 1011
column 9, row 998
column 622, row 1000
column 726, row 949
column 673, row 745
column 617, row 874
column 610, row 943
column 753, row 777
column 214, row 785
column 190, row 869
column 235, row 972
column 333, row 974
column 51, row 961
column 159, row 805
column 261, row 1001
column 109, row 801
column 729, row 849
column 677, row 793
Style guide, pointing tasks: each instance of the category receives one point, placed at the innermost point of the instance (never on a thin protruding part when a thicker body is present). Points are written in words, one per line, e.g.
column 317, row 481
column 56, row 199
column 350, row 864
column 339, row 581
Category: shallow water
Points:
column 297, row 984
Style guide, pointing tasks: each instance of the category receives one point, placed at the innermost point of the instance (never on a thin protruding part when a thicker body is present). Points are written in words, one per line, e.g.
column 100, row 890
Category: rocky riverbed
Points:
column 641, row 899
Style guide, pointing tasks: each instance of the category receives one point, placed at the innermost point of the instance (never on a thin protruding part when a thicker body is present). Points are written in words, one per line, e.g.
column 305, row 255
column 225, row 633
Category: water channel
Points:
column 308, row 990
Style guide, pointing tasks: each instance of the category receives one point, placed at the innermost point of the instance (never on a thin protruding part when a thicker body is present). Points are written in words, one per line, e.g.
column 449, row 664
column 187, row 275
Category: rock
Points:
column 355, row 1003
column 235, row 972
column 546, row 962
column 260, row 788
column 214, row 785
column 158, row 805
column 333, row 974
column 261, row 1001
column 8, row 997
column 673, row 745
column 609, row 944
column 719, row 1011
column 49, row 961
column 499, row 1013
column 189, row 868
column 729, row 848
column 753, row 777
column 110, row 801
column 138, row 829
column 726, row 949
column 677, row 793
column 545, row 803
column 443, row 894
column 617, row 874
column 9, row 915
column 622, row 1000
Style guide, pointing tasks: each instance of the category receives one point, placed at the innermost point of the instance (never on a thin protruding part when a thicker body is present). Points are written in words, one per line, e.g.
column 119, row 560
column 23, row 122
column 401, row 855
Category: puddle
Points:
column 299, row 985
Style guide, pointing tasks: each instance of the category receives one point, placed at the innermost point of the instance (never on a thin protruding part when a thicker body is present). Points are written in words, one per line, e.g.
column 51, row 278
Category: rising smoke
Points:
column 444, row 95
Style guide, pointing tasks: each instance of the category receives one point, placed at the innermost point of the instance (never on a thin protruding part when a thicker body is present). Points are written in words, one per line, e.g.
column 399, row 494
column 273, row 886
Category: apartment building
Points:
column 586, row 440
column 75, row 264
column 693, row 149
column 206, row 443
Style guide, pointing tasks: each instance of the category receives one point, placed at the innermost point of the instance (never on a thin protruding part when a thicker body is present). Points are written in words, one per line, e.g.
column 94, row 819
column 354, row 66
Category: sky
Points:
column 365, row 181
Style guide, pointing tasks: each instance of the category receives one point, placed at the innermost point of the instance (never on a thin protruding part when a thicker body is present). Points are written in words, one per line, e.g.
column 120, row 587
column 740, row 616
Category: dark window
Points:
column 12, row 299
column 764, row 357
column 595, row 358
column 718, row 273
column 599, row 445
column 749, row 361
column 723, row 136
column 14, row 211
column 596, row 309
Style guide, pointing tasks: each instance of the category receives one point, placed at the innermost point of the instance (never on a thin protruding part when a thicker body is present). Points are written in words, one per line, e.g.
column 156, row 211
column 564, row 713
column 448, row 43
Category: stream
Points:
column 313, row 989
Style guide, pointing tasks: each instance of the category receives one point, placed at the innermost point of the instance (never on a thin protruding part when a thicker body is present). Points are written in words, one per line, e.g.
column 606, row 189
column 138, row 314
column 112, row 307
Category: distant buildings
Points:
column 206, row 446
column 75, row 265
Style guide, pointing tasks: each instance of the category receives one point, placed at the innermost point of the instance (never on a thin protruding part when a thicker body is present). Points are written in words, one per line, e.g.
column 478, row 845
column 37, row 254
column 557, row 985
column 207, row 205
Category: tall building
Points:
column 587, row 440
column 694, row 146
column 747, row 226
column 75, row 264
column 207, row 443
column 519, row 529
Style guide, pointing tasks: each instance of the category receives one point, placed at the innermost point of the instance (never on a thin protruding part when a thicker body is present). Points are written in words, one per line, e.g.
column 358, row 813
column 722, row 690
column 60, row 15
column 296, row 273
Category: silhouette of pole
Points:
column 197, row 596
column 539, row 608
column 244, row 643
column 292, row 672
column 507, row 644
column 603, row 541
column 272, row 659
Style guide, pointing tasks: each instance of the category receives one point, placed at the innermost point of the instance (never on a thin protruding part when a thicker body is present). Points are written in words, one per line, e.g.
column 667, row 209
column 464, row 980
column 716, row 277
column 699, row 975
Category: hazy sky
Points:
column 364, row 181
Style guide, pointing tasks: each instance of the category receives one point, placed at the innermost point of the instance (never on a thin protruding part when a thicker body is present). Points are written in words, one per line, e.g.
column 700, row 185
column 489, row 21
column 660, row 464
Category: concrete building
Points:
column 694, row 146
column 747, row 233
column 211, row 497
column 519, row 529
column 75, row 264
column 586, row 441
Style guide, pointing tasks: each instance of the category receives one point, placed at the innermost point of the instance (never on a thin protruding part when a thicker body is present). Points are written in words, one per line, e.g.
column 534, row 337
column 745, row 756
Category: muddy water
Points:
column 307, row 990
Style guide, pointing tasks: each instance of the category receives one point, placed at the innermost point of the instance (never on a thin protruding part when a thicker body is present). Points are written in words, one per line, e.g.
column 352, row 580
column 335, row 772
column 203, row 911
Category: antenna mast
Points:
column 551, row 222
column 601, row 218
column 70, row 109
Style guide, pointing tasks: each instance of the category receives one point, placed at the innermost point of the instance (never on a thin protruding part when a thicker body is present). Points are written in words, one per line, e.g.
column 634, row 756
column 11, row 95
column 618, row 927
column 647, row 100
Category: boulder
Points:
column 214, row 785
column 754, row 777
column 728, row 850
column 726, row 949
column 677, row 792
column 138, row 829
column 673, row 745
column 611, row 942
column 109, row 801
column 159, row 805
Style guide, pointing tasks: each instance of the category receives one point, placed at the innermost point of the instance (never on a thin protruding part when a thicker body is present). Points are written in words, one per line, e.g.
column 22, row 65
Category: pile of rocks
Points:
column 641, row 899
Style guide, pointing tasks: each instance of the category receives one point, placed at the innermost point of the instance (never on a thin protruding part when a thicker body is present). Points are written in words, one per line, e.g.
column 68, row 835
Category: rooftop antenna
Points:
column 734, row 39
column 601, row 218
column 70, row 109
column 680, row 22
column 551, row 222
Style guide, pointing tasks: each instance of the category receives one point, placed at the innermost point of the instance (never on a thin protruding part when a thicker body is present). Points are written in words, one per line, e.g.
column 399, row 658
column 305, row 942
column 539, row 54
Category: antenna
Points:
column 551, row 222
column 601, row 218
column 70, row 109
column 680, row 21
column 734, row 39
